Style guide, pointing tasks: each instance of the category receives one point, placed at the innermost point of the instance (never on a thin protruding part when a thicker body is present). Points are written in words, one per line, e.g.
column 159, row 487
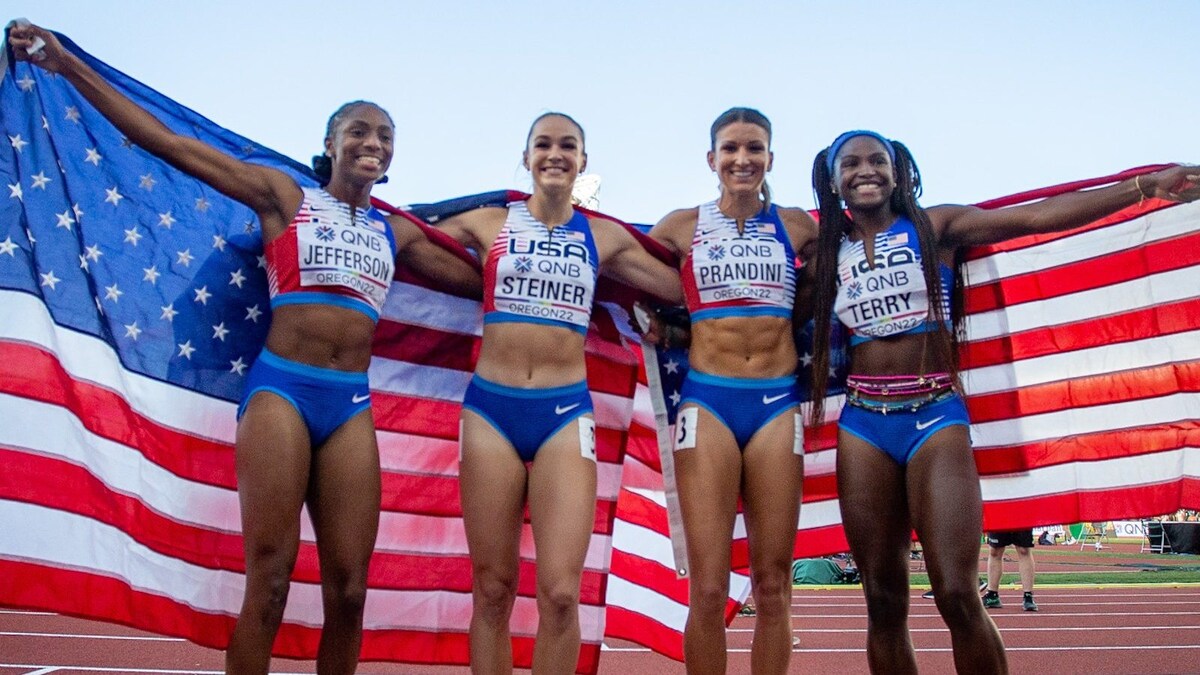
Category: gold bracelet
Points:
column 1137, row 182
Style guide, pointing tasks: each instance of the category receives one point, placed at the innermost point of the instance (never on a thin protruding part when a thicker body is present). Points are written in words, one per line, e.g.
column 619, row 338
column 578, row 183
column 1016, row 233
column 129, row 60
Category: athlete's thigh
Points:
column 708, row 476
column 492, row 482
column 273, row 460
column 874, row 505
column 772, row 479
column 562, row 497
column 944, row 500
column 344, row 492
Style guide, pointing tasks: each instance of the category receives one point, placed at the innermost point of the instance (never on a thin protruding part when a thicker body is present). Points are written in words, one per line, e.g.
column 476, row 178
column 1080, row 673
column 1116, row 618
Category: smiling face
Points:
column 554, row 153
column 741, row 157
column 863, row 173
column 361, row 144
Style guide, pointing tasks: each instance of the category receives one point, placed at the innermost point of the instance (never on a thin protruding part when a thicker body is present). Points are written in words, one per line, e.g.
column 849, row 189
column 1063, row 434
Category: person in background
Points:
column 1022, row 542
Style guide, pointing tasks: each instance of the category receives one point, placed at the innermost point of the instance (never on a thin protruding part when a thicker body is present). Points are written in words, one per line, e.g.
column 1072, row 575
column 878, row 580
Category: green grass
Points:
column 1138, row 576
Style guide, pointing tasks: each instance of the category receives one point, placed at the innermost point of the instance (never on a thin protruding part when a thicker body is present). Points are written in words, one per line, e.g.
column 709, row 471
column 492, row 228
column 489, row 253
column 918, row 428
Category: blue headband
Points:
column 838, row 142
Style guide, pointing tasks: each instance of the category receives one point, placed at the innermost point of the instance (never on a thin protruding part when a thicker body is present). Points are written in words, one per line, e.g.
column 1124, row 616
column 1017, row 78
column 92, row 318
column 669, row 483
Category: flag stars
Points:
column 132, row 236
column 8, row 246
column 93, row 156
column 132, row 331
column 262, row 261
column 220, row 331
column 48, row 279
column 186, row 349
column 252, row 313
column 219, row 242
column 150, row 274
column 65, row 220
column 806, row 360
column 238, row 366
column 249, row 224
column 166, row 219
column 45, row 123
column 114, row 197
column 113, row 293
column 675, row 398
column 671, row 366
column 83, row 263
column 94, row 252
column 184, row 257
column 126, row 143
column 202, row 295
column 39, row 180
column 147, row 182
column 26, row 83
column 202, row 204
column 17, row 142
column 168, row 312
column 15, row 191
column 72, row 114
column 78, row 212
column 99, row 307
column 236, row 278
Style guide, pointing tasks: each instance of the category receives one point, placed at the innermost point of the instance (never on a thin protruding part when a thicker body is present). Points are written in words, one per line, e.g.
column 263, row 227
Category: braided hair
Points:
column 835, row 224
column 749, row 116
column 323, row 164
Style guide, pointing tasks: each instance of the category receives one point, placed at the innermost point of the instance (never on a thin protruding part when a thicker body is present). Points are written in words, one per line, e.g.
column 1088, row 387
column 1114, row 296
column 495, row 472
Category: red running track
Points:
column 1143, row 629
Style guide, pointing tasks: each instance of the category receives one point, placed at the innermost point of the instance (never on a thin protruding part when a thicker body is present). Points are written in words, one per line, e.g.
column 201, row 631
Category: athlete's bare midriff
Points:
column 526, row 355
column 749, row 347
column 322, row 335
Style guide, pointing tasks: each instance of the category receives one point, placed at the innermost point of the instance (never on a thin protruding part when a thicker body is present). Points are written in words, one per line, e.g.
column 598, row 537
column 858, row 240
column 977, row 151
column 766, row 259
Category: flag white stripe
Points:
column 1102, row 360
column 1149, row 291
column 23, row 318
column 1108, row 474
column 1098, row 243
column 1090, row 420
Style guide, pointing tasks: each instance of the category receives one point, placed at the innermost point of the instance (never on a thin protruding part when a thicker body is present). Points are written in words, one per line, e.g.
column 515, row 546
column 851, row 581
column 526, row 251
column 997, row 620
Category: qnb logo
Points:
column 854, row 290
column 523, row 264
column 716, row 252
column 554, row 249
column 324, row 233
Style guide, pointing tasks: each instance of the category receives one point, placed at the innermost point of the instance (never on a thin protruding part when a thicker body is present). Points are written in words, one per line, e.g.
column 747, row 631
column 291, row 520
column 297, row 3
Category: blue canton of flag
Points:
column 121, row 246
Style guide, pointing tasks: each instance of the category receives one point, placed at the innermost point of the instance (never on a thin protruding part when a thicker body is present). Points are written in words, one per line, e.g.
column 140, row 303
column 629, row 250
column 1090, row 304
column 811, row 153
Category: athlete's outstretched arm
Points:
column 268, row 192
column 970, row 226
column 626, row 260
column 424, row 256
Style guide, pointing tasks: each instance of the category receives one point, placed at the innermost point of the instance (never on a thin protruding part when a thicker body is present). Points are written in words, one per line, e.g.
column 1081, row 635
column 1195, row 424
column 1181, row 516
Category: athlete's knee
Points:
column 708, row 597
column 558, row 600
column 886, row 605
column 959, row 607
column 772, row 593
column 345, row 593
column 494, row 591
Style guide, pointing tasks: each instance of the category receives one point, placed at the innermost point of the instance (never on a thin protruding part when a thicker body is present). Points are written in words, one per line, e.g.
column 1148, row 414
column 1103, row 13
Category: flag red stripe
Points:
column 1089, row 505
column 1151, row 322
column 1152, row 258
column 1109, row 388
column 1128, row 442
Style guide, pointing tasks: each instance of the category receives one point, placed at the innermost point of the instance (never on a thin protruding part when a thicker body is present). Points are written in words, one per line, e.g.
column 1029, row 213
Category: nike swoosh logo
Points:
column 359, row 398
column 925, row 425
column 768, row 400
column 559, row 409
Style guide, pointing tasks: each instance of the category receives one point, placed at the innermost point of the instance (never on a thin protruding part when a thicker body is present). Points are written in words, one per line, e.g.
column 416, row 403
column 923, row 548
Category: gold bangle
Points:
column 1137, row 182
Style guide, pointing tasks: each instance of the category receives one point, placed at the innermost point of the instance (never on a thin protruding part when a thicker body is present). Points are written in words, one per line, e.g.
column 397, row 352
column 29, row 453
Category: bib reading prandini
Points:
column 732, row 273
column 537, row 274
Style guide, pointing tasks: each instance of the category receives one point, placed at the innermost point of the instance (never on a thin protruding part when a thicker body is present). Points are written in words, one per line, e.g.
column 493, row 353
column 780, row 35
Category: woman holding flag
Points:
column 737, row 433
column 886, row 267
column 305, row 433
column 528, row 434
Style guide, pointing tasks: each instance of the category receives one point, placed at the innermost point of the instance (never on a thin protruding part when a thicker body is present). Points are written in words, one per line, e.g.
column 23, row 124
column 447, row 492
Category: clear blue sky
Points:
column 992, row 99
